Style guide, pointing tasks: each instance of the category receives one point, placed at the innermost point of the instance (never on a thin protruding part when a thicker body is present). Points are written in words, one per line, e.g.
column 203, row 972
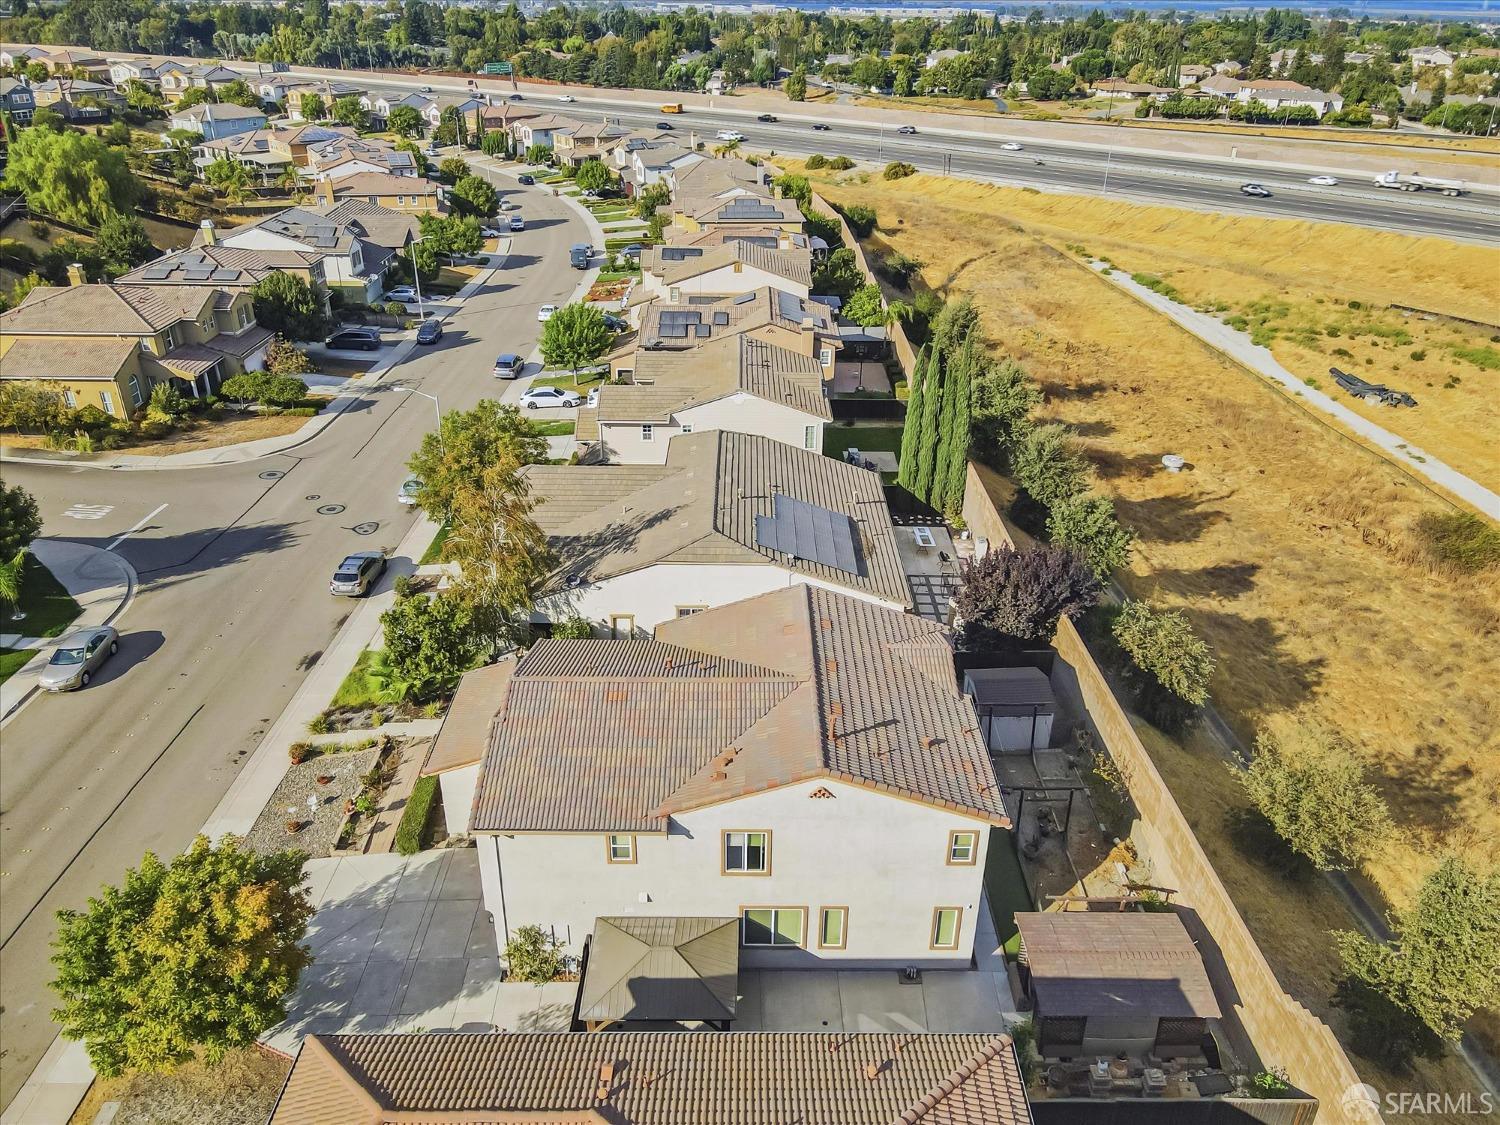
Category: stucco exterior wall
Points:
column 883, row 858
column 738, row 413
column 457, row 787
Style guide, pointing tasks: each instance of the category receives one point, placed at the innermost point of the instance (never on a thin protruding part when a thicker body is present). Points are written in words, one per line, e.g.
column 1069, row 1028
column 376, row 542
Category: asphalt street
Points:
column 232, row 611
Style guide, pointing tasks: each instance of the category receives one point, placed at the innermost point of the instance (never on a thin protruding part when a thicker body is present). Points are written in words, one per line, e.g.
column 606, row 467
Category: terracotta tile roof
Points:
column 102, row 310
column 701, row 507
column 58, row 357
column 465, row 731
column 1110, row 964
column 617, row 735
column 671, row 379
column 382, row 183
column 241, row 345
column 673, row 265
column 654, row 1078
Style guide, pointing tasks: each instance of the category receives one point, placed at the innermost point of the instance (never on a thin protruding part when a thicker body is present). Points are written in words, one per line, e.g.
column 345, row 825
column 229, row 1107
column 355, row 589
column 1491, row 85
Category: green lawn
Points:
column 48, row 608
column 357, row 690
column 607, row 276
column 434, row 552
column 1005, row 883
column 554, row 429
column 12, row 660
column 869, row 438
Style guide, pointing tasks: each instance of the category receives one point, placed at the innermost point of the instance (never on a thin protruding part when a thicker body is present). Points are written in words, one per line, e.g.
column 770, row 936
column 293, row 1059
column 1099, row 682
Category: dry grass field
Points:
column 1291, row 548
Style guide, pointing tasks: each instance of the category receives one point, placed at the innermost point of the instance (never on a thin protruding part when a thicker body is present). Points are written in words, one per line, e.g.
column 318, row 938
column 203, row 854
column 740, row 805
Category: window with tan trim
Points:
column 963, row 849
column 747, row 853
column 833, row 927
column 946, row 924
column 620, row 849
column 779, row 926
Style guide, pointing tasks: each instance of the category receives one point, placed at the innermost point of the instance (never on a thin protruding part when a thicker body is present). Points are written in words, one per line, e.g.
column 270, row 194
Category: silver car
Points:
column 357, row 574
column 78, row 656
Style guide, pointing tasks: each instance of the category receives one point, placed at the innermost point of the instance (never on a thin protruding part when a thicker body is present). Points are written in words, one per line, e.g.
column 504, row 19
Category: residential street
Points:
column 232, row 610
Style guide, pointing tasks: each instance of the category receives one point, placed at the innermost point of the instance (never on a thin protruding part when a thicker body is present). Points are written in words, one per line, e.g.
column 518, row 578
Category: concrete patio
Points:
column 871, row 1000
column 933, row 580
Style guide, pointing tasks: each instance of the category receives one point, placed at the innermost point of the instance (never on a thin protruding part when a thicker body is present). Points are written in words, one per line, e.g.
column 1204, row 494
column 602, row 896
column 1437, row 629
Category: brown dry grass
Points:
column 206, row 436
column 1291, row 548
column 241, row 1090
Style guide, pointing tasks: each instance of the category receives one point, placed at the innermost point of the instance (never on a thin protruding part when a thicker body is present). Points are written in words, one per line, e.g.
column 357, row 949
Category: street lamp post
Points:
column 1108, row 160
column 416, row 277
column 436, row 412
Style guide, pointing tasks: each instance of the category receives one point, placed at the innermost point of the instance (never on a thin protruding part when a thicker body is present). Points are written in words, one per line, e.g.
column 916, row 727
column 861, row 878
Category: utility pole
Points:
column 416, row 277
column 1108, row 159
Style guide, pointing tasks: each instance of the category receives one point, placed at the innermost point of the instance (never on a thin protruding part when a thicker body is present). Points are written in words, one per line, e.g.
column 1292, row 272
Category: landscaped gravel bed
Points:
column 319, row 830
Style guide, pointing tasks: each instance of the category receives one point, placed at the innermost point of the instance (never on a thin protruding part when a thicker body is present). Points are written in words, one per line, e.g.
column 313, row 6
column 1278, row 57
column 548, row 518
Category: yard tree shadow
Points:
column 1283, row 676
column 174, row 558
column 1113, row 465
column 1170, row 519
column 1227, row 580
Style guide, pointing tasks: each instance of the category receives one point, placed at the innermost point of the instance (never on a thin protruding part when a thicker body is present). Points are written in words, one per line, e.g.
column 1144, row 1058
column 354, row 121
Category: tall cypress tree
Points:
column 906, row 469
column 927, row 425
column 954, row 463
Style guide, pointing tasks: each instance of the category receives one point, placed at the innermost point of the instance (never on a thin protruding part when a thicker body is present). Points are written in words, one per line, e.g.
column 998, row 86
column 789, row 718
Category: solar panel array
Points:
column 749, row 207
column 807, row 531
column 680, row 253
column 676, row 323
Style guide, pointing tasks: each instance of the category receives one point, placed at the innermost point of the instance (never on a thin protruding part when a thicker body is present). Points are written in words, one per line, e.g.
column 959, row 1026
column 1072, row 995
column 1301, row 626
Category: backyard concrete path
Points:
column 1238, row 347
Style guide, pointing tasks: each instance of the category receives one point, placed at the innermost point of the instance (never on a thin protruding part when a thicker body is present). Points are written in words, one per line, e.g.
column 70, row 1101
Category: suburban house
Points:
column 1279, row 94
column 1284, row 59
column 297, row 142
column 1423, row 57
column 734, row 383
column 9, row 56
column 1120, row 88
column 176, row 81
column 1190, row 74
column 645, row 1076
column 650, row 163
column 231, row 268
column 719, row 179
column 109, row 345
column 678, row 272
column 326, row 89
column 414, row 194
column 77, row 100
column 591, row 141
column 122, row 71
column 773, row 237
column 528, row 131
column 501, row 118
column 17, row 100
column 71, row 62
column 254, row 149
column 216, row 121
column 351, row 156
column 1108, row 983
column 643, row 544
column 800, row 761
column 379, row 106
column 1220, row 85
column 743, row 210
column 935, row 57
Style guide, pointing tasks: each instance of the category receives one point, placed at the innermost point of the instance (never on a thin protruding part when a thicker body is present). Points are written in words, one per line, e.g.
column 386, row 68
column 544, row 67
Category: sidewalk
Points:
column 1237, row 346
column 101, row 582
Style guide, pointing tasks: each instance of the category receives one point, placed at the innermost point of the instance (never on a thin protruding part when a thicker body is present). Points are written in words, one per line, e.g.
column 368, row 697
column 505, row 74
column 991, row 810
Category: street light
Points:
column 416, row 277
column 436, row 411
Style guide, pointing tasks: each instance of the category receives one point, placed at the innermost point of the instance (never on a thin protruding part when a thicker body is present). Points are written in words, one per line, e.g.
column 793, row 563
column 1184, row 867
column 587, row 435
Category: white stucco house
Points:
column 217, row 121
column 1278, row 94
column 643, row 544
column 801, row 761
column 728, row 270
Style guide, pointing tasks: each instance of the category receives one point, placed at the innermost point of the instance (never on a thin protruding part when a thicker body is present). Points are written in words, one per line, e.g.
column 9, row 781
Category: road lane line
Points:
column 142, row 523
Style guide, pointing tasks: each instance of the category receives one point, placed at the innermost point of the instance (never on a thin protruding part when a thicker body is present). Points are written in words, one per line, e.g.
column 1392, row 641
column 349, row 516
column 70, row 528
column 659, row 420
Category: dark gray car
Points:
column 78, row 657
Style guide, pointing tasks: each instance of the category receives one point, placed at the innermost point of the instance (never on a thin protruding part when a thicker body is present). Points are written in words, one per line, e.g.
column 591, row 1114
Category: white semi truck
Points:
column 1403, row 181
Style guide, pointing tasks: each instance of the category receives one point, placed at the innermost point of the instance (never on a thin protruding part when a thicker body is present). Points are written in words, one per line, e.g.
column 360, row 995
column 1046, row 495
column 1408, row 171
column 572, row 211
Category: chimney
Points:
column 606, row 1079
column 75, row 274
column 207, row 232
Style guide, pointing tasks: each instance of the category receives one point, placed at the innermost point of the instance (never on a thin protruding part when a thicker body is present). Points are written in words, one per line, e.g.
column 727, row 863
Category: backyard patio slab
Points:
column 857, row 1000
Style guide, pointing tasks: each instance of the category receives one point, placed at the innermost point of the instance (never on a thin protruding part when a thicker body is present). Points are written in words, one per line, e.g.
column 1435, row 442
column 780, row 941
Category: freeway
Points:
column 232, row 610
column 1132, row 174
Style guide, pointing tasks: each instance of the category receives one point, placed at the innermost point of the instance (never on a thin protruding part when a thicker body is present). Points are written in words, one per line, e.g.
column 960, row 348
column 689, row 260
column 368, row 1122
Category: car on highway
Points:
column 546, row 312
column 430, row 331
column 664, row 125
column 1323, row 181
column 77, row 657
column 909, row 130
column 567, row 98
column 426, row 89
column 507, row 365
column 526, row 180
column 517, row 223
column 1011, row 146
column 355, row 339
column 357, row 574
column 407, row 493
column 517, row 98
column 539, row 397
column 822, row 126
column 730, row 135
column 1260, row 191
column 768, row 118
column 403, row 293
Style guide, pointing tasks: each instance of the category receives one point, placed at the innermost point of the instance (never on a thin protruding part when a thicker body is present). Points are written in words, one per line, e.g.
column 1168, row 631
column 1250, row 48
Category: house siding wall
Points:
column 739, row 413
column 458, row 797
column 882, row 858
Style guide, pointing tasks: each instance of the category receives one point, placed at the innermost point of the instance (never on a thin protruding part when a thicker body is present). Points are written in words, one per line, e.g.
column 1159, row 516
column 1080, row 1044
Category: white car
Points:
column 509, row 205
column 540, row 397
column 730, row 135
column 407, row 494
column 403, row 294
column 1323, row 181
column 567, row 98
column 545, row 312
column 489, row 232
column 1011, row 146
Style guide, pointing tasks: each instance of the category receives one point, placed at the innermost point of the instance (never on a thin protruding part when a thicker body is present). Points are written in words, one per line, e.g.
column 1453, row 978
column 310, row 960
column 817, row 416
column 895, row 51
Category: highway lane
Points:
column 232, row 610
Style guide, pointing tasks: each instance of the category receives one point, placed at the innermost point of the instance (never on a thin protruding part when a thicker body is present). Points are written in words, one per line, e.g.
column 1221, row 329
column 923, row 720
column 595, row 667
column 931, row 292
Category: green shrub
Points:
column 840, row 164
column 302, row 411
column 1419, row 355
column 414, row 816
column 815, row 161
column 862, row 220
column 1460, row 539
column 534, row 956
column 899, row 170
column 1482, row 356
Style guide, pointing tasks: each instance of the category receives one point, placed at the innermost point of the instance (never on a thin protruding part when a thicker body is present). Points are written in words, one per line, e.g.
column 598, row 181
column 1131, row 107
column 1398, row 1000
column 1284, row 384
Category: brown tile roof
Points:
column 701, row 506
column 710, row 177
column 241, row 345
column 233, row 266
column 466, row 727
column 57, row 357
column 102, row 310
column 381, row 183
column 672, row 379
column 1105, row 963
column 729, row 315
column 654, row 1078
column 191, row 360
column 617, row 735
column 794, row 264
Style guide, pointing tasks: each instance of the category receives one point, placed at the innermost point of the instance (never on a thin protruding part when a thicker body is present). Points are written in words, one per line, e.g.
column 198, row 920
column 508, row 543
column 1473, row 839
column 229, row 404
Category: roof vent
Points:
column 928, row 742
column 872, row 1070
column 718, row 775
column 606, row 1077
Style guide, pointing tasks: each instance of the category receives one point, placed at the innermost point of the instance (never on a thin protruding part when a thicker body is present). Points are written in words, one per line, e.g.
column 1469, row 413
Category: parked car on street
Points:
column 1257, row 190
column 508, row 205
column 545, row 312
column 632, row 251
column 539, row 397
column 593, row 399
column 357, row 574
column 356, row 339
column 430, row 331
column 527, row 179
column 517, row 223
column 407, row 493
column 909, row 130
column 614, row 323
column 507, row 366
column 403, row 293
column 490, row 232
column 77, row 657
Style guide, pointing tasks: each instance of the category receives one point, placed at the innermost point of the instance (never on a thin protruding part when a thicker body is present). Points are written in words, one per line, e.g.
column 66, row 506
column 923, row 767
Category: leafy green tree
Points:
column 1443, row 965
column 865, row 306
column 452, row 169
column 1045, row 84
column 287, row 304
column 143, row 99
column 285, row 359
column 1010, row 595
column 1170, row 665
column 574, row 336
column 1311, row 787
column 48, row 120
column 404, row 121
column 238, row 92
column 501, row 553
column 472, row 195
column 1047, row 464
column 78, row 179
column 539, row 154
column 443, row 236
column 839, row 275
column 195, row 956
column 494, row 144
column 429, row 643
column 122, row 239
column 649, row 198
column 231, row 178
column 796, row 85
column 1089, row 524
column 32, row 405
column 906, row 467
column 862, row 220
column 348, row 111
column 193, row 95
column 20, row 520
column 12, row 579
column 312, row 107
column 167, row 403
column 467, row 440
column 1001, row 403
column 928, row 433
column 898, row 170
column 951, row 471
column 593, row 176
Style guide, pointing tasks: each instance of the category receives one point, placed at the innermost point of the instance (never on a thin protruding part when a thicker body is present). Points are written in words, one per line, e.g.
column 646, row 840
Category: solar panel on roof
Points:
column 744, row 298
column 158, row 273
column 225, row 274
column 704, row 330
column 721, row 318
column 676, row 330
column 198, row 274
column 807, row 531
